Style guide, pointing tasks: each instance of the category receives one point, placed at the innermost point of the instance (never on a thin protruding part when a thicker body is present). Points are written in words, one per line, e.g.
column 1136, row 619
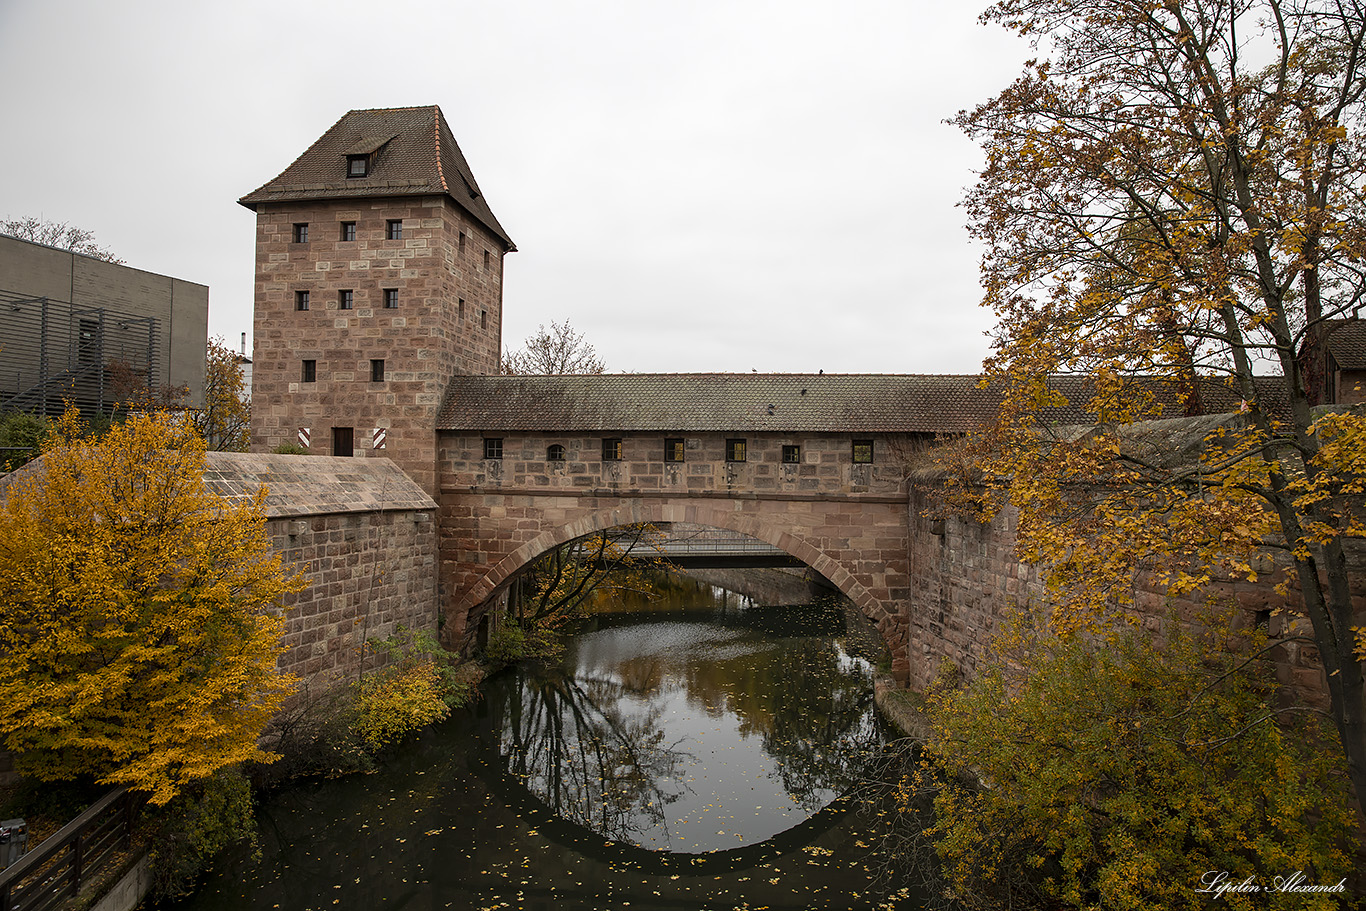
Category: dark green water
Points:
column 683, row 759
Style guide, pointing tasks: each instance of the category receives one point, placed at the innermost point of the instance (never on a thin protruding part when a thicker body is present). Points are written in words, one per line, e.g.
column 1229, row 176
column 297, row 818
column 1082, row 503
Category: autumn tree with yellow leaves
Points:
column 141, row 623
column 1171, row 205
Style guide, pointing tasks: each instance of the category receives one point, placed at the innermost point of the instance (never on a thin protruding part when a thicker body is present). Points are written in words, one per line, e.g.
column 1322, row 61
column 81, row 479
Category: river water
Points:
column 689, row 752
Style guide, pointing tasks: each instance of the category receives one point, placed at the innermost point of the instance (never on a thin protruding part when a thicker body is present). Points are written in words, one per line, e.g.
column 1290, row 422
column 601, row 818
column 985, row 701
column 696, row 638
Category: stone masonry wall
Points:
column 965, row 578
column 447, row 321
column 368, row 574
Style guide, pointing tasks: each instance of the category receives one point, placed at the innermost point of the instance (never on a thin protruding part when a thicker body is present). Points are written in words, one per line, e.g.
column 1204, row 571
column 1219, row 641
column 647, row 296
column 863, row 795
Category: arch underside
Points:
column 827, row 555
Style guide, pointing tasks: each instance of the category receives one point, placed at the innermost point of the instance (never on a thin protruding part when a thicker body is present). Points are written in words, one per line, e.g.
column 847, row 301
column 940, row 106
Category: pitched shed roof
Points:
column 415, row 154
column 746, row 402
column 1347, row 343
column 309, row 485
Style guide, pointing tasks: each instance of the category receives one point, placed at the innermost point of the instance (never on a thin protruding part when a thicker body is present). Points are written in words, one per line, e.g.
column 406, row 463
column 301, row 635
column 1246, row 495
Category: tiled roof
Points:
column 748, row 402
column 1347, row 343
column 308, row 485
column 415, row 155
column 298, row 485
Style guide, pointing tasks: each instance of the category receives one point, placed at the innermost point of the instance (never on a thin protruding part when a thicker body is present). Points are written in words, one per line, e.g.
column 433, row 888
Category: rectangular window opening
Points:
column 863, row 452
column 390, row 298
column 310, row 372
column 357, row 165
column 673, row 449
column 483, row 319
column 343, row 441
column 300, row 300
column 493, row 447
column 486, row 259
column 611, row 449
column 377, row 370
column 460, row 315
column 301, row 233
column 792, row 455
column 348, row 230
column 88, row 343
column 393, row 229
column 735, row 450
column 345, row 300
column 462, row 241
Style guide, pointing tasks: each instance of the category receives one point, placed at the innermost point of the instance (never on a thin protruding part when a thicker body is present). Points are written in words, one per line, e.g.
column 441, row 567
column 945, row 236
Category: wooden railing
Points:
column 57, row 869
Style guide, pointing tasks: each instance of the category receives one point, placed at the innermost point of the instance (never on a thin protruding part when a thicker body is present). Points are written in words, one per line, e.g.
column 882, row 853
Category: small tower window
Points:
column 377, row 370
column 348, row 230
column 357, row 165
column 346, row 300
column 390, row 298
column 460, row 314
column 483, row 319
column 673, row 449
column 393, row 229
column 735, row 450
column 486, row 259
column 493, row 447
column 300, row 300
column 301, row 233
column 310, row 372
column 554, row 453
column 462, row 241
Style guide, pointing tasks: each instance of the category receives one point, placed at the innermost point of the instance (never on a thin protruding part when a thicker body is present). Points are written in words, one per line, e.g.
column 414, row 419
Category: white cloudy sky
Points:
column 713, row 185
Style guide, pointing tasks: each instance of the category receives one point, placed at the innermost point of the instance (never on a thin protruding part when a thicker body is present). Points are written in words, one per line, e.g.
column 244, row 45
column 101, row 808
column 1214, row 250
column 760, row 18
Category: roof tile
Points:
column 415, row 155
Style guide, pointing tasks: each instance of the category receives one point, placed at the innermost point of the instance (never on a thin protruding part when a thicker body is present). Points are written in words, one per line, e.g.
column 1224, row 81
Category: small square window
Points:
column 735, row 450
column 792, row 455
column 300, row 300
column 301, row 233
column 348, row 230
column 346, row 300
column 390, row 298
column 554, row 453
column 393, row 229
column 611, row 449
column 357, row 165
column 377, row 370
column 673, row 449
column 493, row 447
column 863, row 452
column 310, row 372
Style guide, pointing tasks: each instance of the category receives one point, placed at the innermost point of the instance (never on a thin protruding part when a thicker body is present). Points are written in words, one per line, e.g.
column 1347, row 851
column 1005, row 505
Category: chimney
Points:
column 244, row 344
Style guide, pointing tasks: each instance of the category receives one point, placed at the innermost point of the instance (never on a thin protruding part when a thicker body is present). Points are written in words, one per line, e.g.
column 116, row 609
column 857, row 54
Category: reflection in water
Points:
column 443, row 825
column 714, row 729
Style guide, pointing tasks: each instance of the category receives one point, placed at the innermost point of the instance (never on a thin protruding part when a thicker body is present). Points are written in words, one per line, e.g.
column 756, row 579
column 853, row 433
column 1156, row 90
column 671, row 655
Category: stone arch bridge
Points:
column 814, row 465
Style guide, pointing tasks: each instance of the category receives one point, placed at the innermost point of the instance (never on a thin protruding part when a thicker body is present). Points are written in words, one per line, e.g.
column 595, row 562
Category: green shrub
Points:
column 194, row 827
column 1119, row 772
column 289, row 449
column 510, row 642
column 21, row 437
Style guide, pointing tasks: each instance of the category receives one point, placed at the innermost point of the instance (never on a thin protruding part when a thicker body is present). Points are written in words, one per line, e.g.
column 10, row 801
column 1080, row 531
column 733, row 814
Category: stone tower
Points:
column 379, row 276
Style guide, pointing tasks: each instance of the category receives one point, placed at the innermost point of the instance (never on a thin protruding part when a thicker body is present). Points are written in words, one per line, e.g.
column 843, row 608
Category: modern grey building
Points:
column 80, row 328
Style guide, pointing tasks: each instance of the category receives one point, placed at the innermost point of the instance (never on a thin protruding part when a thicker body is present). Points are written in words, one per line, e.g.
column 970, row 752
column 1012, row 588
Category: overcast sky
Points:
column 696, row 186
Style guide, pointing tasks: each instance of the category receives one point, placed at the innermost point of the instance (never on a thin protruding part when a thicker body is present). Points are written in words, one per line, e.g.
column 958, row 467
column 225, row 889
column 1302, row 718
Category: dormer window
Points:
column 357, row 165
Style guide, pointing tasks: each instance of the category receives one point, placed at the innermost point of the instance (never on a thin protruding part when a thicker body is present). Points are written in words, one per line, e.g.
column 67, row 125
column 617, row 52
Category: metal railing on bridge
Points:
column 64, row 863
column 714, row 548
